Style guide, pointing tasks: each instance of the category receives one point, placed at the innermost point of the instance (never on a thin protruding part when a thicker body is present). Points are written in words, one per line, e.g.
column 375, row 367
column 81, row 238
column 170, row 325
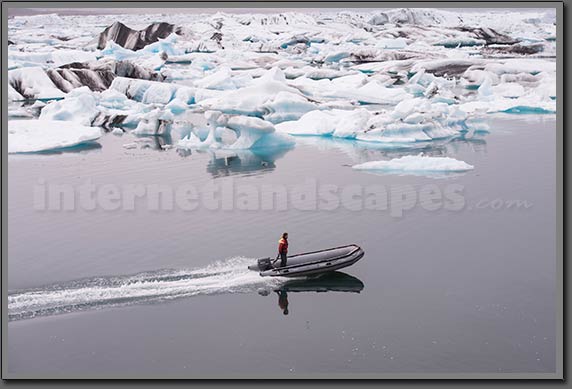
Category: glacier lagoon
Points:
column 443, row 291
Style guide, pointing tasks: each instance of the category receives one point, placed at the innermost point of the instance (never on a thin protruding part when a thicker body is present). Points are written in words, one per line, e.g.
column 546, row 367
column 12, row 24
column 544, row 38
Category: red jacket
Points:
column 283, row 246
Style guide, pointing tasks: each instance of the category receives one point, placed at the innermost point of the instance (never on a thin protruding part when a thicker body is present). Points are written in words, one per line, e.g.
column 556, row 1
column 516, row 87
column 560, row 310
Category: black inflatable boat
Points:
column 310, row 264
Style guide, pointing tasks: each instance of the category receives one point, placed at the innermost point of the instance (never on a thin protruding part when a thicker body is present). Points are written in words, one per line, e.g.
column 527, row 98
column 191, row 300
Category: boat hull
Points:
column 315, row 263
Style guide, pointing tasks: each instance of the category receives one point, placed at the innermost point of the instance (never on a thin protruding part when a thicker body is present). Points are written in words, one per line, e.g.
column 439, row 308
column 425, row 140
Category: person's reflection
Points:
column 283, row 300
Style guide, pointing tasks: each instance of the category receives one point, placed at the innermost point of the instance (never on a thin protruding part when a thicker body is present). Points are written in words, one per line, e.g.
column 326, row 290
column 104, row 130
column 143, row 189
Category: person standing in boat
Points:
column 283, row 249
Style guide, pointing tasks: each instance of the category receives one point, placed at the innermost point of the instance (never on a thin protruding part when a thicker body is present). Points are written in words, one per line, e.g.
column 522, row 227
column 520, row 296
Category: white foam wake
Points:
column 229, row 276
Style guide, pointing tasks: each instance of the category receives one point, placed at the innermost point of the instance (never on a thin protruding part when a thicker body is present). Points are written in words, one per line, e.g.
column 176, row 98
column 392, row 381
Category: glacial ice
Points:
column 33, row 83
column 48, row 59
column 416, row 164
column 396, row 77
column 251, row 133
column 79, row 106
column 28, row 136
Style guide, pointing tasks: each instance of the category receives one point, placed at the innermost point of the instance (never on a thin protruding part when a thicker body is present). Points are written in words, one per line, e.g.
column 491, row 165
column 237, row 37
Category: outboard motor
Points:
column 262, row 264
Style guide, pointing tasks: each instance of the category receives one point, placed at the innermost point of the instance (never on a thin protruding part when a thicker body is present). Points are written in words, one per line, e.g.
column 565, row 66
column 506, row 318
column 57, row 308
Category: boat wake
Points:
column 228, row 276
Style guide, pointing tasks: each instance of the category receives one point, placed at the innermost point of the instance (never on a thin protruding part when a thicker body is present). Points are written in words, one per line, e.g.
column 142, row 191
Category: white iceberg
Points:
column 416, row 164
column 33, row 83
column 251, row 133
column 28, row 136
column 79, row 106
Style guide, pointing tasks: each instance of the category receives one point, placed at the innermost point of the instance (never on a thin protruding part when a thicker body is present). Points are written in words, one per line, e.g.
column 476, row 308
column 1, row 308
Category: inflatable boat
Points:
column 310, row 264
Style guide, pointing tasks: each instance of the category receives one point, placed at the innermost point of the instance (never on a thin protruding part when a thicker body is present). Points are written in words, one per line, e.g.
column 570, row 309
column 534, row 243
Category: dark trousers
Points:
column 283, row 259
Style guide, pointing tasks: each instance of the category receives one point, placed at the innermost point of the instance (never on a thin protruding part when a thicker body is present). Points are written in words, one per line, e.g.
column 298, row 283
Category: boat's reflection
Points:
column 331, row 282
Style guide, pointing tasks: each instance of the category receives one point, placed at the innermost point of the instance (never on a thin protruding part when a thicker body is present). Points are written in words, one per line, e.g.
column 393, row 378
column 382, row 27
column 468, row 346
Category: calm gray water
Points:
column 437, row 291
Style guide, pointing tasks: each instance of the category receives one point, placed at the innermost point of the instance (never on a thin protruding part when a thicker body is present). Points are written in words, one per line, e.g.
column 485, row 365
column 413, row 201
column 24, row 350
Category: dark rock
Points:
column 133, row 39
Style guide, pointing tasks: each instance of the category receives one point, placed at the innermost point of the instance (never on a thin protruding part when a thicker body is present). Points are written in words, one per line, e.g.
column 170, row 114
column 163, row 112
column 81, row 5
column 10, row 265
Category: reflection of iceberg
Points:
column 360, row 152
column 155, row 142
column 331, row 282
column 226, row 162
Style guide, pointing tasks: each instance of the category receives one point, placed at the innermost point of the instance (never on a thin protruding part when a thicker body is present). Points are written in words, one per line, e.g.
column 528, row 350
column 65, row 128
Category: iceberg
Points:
column 79, row 106
column 395, row 78
column 416, row 164
column 412, row 120
column 156, row 122
column 33, row 83
column 251, row 133
column 29, row 136
column 49, row 59
column 124, row 36
column 150, row 92
column 286, row 106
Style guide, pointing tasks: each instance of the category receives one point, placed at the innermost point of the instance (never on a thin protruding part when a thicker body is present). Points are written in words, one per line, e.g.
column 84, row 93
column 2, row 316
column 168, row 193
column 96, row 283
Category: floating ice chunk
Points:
column 111, row 98
column 118, row 52
column 80, row 106
column 250, row 100
column 510, row 89
column 117, row 131
column 219, row 80
column 52, row 58
column 416, row 164
column 460, row 42
column 189, row 142
column 156, row 122
column 33, row 83
column 351, row 124
column 386, row 43
column 274, row 141
column 485, row 91
column 151, row 91
column 251, row 132
column 13, row 95
column 524, row 104
column 287, row 106
column 19, row 112
column 319, row 74
column 336, row 56
column 250, row 124
column 166, row 45
column 520, row 65
column 312, row 123
column 28, row 136
column 130, row 146
column 376, row 93
column 177, row 106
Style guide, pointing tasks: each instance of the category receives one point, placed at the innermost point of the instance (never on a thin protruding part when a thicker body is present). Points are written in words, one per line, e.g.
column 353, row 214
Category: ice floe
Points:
column 416, row 164
column 28, row 136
